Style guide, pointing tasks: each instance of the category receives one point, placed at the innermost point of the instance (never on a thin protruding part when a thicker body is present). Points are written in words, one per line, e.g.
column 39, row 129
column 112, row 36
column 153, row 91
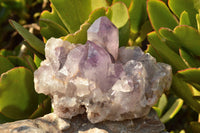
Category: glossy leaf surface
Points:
column 190, row 6
column 190, row 75
column 172, row 111
column 18, row 98
column 157, row 8
column 186, row 36
column 5, row 64
column 33, row 41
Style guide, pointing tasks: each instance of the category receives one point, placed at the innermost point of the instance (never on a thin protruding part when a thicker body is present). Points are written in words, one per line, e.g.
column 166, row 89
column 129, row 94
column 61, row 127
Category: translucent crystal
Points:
column 85, row 78
column 104, row 33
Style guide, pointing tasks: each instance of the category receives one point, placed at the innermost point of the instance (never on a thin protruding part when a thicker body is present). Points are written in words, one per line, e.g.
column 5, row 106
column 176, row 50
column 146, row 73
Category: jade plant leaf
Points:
column 186, row 36
column 126, row 2
column 183, row 90
column 37, row 60
column 166, row 53
column 160, row 15
column 119, row 16
column 76, row 12
column 43, row 108
column 17, row 61
column 172, row 111
column 18, row 98
column 33, row 41
column 80, row 36
column 190, row 75
column 184, row 19
column 51, row 25
column 138, row 14
column 190, row 6
column 162, row 103
column 116, row 13
column 198, row 21
column 190, row 60
column 5, row 64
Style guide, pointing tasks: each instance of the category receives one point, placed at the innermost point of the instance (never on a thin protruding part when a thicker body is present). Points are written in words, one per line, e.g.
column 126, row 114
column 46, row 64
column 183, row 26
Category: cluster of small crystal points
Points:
column 106, row 82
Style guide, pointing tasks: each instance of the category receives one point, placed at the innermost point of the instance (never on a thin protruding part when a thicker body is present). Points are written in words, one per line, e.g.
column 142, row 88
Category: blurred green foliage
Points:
column 172, row 28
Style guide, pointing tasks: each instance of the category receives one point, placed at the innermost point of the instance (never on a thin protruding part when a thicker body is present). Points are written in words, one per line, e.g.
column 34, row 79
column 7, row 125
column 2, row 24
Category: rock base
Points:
column 51, row 123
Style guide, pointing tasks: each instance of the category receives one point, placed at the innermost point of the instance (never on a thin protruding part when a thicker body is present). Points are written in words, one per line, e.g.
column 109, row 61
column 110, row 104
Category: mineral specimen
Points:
column 98, row 78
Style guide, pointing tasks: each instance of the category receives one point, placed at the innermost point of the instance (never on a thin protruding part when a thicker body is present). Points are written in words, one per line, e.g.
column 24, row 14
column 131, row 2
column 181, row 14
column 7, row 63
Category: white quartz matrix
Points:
column 99, row 78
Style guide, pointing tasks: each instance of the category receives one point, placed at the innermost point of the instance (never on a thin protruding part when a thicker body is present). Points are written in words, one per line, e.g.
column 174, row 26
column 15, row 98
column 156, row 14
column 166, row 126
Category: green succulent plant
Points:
column 175, row 40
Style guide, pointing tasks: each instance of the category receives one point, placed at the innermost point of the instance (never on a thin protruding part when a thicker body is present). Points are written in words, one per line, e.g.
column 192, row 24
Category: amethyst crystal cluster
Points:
column 106, row 82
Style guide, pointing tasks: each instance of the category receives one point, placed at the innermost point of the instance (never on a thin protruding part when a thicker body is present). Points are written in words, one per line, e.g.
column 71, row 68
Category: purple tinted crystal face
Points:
column 104, row 33
column 84, row 78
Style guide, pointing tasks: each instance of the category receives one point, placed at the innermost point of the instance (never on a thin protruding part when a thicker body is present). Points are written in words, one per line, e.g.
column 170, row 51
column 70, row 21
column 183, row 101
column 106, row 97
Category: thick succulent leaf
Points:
column 81, row 35
column 17, row 61
column 158, row 111
column 5, row 64
column 37, row 60
column 138, row 14
column 145, row 29
column 160, row 15
column 186, row 36
column 198, row 21
column 190, row 75
column 166, row 53
column 120, row 18
column 174, row 109
column 117, row 13
column 33, row 41
column 183, row 90
column 18, row 98
column 126, row 2
column 162, row 103
column 43, row 108
column 184, row 19
column 76, row 12
column 154, row 53
column 50, row 28
column 51, row 25
column 195, row 126
column 196, row 86
column 190, row 6
column 190, row 61
column 41, row 56
column 5, row 52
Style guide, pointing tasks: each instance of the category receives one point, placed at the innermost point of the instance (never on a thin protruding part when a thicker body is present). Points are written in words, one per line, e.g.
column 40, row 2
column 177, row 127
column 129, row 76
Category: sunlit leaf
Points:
column 184, row 91
column 33, row 41
column 173, row 110
column 138, row 14
column 190, row 6
column 18, row 99
column 76, row 12
column 184, row 19
column 186, row 36
column 190, row 61
column 166, row 53
column 162, row 103
column 160, row 15
column 190, row 75
column 5, row 64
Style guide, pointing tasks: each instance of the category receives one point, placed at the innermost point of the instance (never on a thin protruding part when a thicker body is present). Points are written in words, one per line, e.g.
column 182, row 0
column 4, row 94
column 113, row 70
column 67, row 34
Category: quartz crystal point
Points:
column 104, row 33
column 85, row 78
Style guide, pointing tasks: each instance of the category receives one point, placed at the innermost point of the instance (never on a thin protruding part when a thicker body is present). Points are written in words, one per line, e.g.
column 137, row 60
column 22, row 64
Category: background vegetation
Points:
column 167, row 29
